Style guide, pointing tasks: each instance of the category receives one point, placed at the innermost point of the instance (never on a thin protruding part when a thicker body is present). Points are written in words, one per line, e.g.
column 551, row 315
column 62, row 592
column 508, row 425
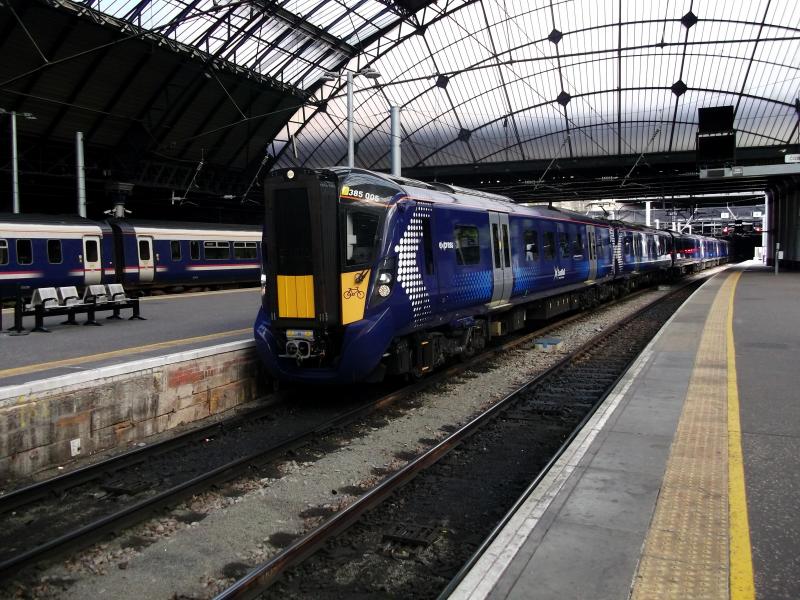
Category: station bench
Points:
column 48, row 302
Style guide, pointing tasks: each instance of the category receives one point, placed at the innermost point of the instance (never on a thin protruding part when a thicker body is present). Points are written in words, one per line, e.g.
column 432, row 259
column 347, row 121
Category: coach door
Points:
column 501, row 259
column 92, row 265
column 146, row 262
column 590, row 232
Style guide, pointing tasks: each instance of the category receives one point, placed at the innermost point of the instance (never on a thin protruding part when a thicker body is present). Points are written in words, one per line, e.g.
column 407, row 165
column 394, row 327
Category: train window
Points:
column 24, row 252
column 3, row 252
column 175, row 249
column 194, row 250
column 496, row 245
column 427, row 246
column 92, row 254
column 506, row 247
column 578, row 243
column 217, row 250
column 563, row 243
column 54, row 252
column 468, row 249
column 362, row 232
column 531, row 238
column 627, row 245
column 245, row 250
column 144, row 250
column 549, row 245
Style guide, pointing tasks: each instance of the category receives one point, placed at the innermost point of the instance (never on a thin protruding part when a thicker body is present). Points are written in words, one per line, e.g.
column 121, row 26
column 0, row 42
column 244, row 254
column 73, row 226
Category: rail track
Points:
column 413, row 534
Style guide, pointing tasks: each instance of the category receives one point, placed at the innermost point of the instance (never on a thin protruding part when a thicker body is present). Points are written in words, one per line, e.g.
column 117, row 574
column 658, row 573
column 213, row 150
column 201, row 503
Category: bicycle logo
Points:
column 350, row 292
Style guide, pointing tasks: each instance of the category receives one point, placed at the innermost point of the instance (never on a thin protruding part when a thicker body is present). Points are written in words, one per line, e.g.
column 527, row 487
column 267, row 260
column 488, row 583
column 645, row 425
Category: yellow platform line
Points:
column 742, row 584
column 78, row 360
column 698, row 546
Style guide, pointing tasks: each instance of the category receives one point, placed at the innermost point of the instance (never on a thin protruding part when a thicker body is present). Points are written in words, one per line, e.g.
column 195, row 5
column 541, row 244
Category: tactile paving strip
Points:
column 686, row 551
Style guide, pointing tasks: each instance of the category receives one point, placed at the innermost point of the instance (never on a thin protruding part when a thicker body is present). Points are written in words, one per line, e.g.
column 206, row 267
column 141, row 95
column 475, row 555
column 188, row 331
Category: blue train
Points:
column 52, row 251
column 369, row 274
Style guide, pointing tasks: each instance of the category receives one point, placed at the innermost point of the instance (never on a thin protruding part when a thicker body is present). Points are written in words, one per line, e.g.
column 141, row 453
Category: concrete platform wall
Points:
column 54, row 421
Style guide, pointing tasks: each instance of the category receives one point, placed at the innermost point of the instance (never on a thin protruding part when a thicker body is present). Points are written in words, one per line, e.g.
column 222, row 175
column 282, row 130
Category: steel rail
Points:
column 262, row 576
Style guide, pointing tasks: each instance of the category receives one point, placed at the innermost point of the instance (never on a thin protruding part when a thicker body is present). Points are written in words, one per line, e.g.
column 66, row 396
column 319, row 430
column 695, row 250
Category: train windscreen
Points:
column 293, row 232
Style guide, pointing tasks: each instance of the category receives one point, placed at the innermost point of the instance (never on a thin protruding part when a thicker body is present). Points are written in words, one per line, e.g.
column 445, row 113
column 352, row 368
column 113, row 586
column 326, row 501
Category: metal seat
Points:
column 68, row 296
column 116, row 293
column 95, row 294
column 43, row 296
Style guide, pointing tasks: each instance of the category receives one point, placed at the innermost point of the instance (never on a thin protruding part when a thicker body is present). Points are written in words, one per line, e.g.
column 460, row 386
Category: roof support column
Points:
column 350, row 141
column 81, row 174
column 394, row 111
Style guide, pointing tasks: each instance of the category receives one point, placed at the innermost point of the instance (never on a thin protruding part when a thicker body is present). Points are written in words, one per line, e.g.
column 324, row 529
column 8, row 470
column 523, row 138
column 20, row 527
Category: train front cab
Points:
column 321, row 241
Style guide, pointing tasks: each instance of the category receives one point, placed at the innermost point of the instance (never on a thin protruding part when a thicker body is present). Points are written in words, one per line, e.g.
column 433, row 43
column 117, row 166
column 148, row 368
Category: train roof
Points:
column 442, row 193
column 43, row 219
column 187, row 225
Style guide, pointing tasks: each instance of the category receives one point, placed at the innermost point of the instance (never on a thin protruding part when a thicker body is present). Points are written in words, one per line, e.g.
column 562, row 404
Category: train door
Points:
column 590, row 233
column 92, row 261
column 146, row 262
column 501, row 259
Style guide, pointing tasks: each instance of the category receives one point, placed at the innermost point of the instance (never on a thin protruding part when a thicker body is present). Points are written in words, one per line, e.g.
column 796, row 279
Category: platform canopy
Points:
column 556, row 90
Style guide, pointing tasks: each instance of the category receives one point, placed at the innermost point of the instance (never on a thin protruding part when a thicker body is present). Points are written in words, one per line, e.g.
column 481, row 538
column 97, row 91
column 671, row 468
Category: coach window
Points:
column 245, row 250
column 531, row 245
column 194, row 250
column 24, row 252
column 468, row 249
column 563, row 243
column 144, row 250
column 54, row 252
column 549, row 245
column 175, row 249
column 217, row 250
column 3, row 252
column 627, row 247
column 578, row 243
column 92, row 254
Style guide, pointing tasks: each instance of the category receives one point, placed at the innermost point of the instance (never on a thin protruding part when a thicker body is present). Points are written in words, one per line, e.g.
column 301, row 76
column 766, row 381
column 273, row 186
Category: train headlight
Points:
column 385, row 277
column 384, row 290
column 289, row 174
column 263, row 285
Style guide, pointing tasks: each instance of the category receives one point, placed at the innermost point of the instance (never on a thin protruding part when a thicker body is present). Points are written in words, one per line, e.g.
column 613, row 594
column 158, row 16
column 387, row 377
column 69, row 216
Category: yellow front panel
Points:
column 296, row 296
column 354, row 296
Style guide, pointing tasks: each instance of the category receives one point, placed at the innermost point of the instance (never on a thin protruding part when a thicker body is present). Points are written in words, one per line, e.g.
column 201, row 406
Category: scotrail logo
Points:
column 559, row 273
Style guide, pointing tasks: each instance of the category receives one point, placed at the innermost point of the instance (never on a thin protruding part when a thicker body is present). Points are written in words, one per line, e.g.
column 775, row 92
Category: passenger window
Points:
column 427, row 246
column 54, row 252
column 92, row 253
column 245, row 250
column 3, row 252
column 506, row 247
column 563, row 243
column 578, row 243
column 194, row 250
column 175, row 249
column 530, row 237
column 549, row 245
column 468, row 249
column 628, row 245
column 144, row 250
column 24, row 252
column 217, row 250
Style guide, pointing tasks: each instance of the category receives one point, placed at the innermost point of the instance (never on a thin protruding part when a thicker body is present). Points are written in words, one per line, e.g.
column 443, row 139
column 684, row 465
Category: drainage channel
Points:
column 410, row 536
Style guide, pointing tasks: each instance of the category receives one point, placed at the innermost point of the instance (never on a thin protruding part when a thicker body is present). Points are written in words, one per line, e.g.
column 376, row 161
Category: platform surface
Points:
column 174, row 323
column 651, row 501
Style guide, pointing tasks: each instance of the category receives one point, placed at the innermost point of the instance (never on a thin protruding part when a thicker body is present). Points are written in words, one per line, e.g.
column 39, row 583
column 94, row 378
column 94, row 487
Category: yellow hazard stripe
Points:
column 742, row 586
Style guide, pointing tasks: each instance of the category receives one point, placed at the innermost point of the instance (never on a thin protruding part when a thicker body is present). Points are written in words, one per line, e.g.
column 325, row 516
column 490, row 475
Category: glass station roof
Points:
column 487, row 81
